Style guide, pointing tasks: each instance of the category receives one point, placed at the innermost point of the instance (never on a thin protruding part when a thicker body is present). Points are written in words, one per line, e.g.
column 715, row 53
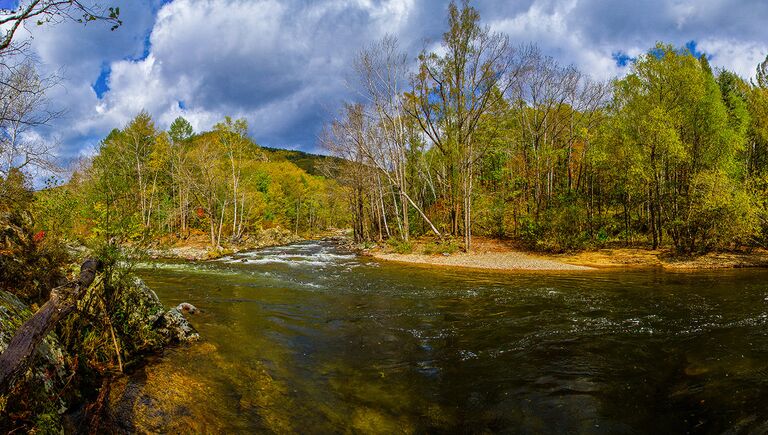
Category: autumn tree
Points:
column 451, row 91
column 233, row 138
column 180, row 133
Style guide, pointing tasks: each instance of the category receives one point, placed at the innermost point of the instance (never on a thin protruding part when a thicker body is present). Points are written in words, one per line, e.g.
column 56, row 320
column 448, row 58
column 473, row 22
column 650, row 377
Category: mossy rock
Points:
column 39, row 399
column 145, row 324
column 41, row 391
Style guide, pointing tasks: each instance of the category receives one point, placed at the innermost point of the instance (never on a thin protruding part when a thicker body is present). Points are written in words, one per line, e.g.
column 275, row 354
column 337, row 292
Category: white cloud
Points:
column 740, row 57
column 283, row 64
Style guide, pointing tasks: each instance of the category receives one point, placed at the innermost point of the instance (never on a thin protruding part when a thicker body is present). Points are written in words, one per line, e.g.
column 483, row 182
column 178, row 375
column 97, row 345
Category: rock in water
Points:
column 175, row 327
column 148, row 323
column 187, row 307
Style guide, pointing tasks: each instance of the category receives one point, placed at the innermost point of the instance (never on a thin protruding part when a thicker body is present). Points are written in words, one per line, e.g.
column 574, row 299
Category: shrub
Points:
column 400, row 246
column 441, row 246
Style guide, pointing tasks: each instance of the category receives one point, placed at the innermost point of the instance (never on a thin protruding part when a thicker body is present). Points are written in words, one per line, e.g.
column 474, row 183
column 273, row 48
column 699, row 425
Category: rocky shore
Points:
column 53, row 395
column 198, row 248
column 492, row 254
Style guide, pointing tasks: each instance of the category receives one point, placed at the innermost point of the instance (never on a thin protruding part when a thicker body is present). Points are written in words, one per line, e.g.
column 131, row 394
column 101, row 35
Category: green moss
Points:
column 39, row 391
column 48, row 423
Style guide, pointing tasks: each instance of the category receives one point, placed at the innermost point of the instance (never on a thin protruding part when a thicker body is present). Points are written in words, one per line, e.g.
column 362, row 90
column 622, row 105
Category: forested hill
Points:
column 144, row 183
column 310, row 163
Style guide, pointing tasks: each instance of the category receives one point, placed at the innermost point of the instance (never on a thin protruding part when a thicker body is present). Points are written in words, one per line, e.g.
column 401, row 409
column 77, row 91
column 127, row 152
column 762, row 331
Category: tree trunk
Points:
column 406, row 227
column 16, row 359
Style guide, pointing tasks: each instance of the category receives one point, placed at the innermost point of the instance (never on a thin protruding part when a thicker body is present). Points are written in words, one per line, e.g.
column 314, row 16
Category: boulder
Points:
column 148, row 324
column 40, row 398
column 187, row 308
column 175, row 327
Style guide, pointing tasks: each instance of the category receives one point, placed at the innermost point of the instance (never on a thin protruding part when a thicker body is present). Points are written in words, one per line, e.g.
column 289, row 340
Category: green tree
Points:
column 671, row 111
column 451, row 93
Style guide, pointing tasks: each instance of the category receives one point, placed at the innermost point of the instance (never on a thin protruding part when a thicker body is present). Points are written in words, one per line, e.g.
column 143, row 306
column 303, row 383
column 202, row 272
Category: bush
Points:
column 31, row 262
column 441, row 246
column 531, row 232
column 721, row 213
column 400, row 246
column 564, row 226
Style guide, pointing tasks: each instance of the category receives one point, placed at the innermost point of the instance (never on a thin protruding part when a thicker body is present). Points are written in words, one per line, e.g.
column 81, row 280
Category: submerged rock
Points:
column 181, row 395
column 162, row 398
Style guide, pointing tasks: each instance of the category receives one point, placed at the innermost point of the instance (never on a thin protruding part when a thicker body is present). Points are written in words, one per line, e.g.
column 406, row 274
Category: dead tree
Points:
column 17, row 358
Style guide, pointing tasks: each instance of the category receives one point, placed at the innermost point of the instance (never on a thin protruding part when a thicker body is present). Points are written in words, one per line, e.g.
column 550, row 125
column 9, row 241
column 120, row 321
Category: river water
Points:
column 308, row 338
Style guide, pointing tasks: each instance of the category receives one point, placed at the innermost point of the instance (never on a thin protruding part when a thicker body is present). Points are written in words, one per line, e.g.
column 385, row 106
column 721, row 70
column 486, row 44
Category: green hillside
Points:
column 311, row 163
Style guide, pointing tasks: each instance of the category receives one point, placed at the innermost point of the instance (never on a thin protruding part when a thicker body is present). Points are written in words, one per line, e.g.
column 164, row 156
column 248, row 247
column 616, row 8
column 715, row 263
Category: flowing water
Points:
column 308, row 338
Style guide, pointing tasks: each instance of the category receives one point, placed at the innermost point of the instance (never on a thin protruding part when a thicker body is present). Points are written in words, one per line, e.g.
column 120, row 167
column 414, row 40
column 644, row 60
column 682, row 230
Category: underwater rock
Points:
column 164, row 398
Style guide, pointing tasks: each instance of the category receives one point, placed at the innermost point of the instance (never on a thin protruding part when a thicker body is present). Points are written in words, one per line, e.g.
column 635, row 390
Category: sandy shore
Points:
column 487, row 254
column 487, row 260
column 607, row 258
column 497, row 255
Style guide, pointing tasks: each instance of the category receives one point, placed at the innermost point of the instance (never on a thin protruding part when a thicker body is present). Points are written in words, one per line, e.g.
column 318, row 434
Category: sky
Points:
column 285, row 65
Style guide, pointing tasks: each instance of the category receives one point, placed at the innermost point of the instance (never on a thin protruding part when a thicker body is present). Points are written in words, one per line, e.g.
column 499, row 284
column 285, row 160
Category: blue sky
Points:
column 285, row 65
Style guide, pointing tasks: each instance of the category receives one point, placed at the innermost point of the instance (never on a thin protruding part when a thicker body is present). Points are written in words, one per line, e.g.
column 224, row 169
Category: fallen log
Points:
column 17, row 357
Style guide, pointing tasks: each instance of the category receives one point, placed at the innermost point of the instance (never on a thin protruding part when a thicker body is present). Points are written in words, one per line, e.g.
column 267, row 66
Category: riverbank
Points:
column 493, row 254
column 197, row 245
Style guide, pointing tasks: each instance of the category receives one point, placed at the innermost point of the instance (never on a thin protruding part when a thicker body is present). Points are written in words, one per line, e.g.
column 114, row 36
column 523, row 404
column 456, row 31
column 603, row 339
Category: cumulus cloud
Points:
column 283, row 64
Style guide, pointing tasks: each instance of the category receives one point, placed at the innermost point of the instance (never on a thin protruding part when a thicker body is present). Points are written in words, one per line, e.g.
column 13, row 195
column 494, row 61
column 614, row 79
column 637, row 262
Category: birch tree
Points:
column 383, row 69
column 451, row 91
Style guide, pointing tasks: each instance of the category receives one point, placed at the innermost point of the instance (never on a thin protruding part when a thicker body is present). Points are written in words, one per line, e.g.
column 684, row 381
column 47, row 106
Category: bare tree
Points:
column 345, row 138
column 24, row 107
column 553, row 103
column 383, row 70
column 451, row 92
column 50, row 11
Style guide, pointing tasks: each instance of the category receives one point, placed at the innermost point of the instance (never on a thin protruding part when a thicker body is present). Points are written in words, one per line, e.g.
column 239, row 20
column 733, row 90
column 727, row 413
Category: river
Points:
column 310, row 338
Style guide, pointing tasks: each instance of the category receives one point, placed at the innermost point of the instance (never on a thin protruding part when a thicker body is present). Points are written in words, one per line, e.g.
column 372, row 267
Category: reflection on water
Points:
column 308, row 338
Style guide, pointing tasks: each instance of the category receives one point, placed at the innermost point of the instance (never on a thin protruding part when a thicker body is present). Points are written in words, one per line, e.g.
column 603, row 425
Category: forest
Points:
column 481, row 137
column 475, row 137
column 143, row 183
